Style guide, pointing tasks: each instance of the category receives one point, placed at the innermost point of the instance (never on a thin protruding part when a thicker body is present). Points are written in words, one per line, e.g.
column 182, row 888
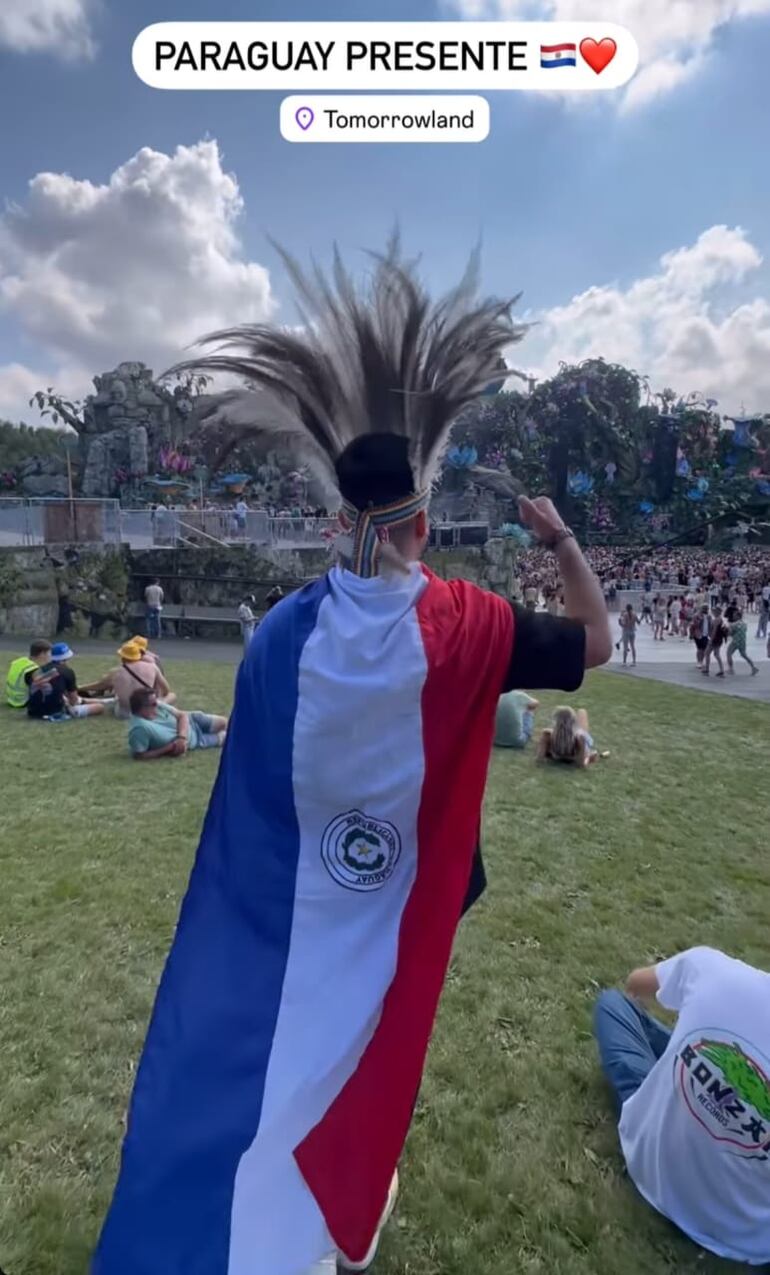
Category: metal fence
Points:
column 41, row 522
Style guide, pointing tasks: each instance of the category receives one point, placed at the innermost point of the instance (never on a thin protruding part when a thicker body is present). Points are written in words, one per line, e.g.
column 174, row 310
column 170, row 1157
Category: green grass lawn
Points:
column 512, row 1164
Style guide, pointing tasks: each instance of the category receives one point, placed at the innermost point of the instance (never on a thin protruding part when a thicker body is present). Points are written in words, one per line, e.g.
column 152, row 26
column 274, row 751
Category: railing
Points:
column 301, row 533
column 41, row 522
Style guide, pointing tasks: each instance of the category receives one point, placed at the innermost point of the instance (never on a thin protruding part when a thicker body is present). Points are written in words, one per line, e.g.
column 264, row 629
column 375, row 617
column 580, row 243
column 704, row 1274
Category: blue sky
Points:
column 565, row 196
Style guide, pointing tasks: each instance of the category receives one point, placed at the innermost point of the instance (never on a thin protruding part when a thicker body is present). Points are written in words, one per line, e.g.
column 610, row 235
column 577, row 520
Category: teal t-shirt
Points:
column 509, row 723
column 144, row 734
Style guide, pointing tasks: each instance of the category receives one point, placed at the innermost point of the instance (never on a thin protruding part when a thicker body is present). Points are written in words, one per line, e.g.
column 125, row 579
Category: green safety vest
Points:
column 16, row 689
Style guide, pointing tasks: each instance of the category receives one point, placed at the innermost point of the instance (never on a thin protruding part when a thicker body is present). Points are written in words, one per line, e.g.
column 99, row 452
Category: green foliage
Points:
column 10, row 582
column 112, row 574
column 21, row 442
column 562, row 438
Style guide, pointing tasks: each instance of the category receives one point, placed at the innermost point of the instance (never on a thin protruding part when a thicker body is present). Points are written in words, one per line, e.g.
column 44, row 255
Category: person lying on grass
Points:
column 694, row 1102
column 158, row 730
column 568, row 739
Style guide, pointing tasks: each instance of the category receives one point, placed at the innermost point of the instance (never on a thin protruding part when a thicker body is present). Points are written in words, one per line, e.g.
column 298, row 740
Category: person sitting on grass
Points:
column 694, row 1103
column 515, row 719
column 738, row 644
column 21, row 671
column 136, row 672
column 144, row 647
column 568, row 739
column 158, row 730
column 75, row 703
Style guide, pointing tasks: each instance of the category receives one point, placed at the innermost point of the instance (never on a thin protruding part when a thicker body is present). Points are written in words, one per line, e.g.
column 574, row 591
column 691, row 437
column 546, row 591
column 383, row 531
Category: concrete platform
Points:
column 673, row 661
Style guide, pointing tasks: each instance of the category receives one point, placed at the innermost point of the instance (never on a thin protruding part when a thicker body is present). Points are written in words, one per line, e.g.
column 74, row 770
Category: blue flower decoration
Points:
column 683, row 468
column 512, row 531
column 646, row 507
column 695, row 494
column 703, row 484
column 580, row 483
column 763, row 487
column 462, row 457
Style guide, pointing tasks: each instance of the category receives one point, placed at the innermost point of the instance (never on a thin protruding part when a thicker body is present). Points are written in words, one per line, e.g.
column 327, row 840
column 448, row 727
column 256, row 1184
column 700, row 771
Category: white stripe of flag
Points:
column 558, row 55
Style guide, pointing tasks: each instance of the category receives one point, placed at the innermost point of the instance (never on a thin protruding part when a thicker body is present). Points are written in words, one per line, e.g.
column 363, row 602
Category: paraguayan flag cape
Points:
column 288, row 1039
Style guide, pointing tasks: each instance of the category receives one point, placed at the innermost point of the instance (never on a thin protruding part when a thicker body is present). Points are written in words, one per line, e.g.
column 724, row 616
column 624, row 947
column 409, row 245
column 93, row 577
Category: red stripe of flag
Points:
column 558, row 48
column 349, row 1158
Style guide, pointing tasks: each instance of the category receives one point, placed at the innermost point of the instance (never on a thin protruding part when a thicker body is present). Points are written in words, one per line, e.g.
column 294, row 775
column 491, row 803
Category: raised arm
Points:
column 583, row 597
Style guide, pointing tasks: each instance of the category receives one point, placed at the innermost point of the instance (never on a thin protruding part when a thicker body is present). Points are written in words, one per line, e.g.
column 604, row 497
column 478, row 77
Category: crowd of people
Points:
column 693, row 594
column 739, row 574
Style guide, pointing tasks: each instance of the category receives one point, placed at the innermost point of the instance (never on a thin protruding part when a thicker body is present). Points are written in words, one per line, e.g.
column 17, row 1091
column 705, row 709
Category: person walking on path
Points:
column 629, row 622
column 718, row 633
column 289, row 1035
column 737, row 644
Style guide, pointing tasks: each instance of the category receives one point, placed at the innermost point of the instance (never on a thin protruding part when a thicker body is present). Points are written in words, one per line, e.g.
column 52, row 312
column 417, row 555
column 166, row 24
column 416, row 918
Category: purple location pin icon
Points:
column 305, row 117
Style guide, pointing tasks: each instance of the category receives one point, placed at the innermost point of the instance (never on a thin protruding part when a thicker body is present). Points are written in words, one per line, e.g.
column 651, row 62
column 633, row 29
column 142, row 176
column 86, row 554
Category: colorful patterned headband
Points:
column 371, row 526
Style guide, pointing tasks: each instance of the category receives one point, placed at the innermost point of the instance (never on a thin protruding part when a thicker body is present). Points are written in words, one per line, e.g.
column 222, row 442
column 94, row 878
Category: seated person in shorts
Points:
column 515, row 719
column 53, row 691
column 75, row 704
column 158, row 730
column 694, row 1102
column 135, row 672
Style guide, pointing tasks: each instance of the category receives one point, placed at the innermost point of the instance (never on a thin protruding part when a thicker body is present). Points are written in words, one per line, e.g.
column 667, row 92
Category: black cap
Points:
column 374, row 469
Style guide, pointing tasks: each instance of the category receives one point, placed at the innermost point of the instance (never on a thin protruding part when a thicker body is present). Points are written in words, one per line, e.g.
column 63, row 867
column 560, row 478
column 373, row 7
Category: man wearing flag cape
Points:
column 290, row 1030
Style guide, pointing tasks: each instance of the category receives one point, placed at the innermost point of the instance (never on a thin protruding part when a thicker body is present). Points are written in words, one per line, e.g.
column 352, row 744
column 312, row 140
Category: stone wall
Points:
column 221, row 577
column 491, row 566
column 99, row 583
column 87, row 586
column 29, row 603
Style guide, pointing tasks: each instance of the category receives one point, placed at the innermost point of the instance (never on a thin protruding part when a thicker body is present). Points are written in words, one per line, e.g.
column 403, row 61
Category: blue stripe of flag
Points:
column 199, row 1090
column 568, row 61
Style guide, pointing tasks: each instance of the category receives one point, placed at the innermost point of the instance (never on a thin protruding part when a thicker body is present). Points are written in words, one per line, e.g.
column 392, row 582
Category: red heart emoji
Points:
column 598, row 56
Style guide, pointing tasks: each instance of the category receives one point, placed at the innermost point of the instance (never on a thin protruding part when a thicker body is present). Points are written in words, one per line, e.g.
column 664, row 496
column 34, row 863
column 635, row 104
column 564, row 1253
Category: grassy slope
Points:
column 512, row 1164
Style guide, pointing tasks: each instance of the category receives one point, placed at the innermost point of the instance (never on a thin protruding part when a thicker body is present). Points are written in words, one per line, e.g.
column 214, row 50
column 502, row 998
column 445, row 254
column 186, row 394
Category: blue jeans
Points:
column 630, row 1042
column 152, row 618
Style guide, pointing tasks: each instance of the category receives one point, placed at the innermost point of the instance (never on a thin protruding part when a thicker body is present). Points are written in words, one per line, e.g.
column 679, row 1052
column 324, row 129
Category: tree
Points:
column 21, row 442
column 51, row 404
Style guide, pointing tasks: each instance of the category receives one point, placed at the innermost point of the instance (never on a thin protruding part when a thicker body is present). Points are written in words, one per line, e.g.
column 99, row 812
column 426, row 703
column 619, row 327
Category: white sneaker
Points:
column 344, row 1265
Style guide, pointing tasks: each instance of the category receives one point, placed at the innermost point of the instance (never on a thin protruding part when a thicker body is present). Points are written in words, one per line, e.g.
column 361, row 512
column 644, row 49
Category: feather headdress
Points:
column 377, row 359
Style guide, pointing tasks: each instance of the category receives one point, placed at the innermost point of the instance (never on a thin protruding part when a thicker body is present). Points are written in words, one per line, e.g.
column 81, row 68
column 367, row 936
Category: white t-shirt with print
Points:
column 696, row 1135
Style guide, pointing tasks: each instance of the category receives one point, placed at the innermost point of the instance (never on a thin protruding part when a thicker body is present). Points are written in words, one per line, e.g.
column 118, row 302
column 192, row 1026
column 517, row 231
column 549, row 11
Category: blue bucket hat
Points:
column 60, row 651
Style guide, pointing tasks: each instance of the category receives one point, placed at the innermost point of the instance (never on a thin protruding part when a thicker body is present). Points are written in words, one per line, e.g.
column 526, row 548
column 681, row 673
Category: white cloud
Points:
column 672, row 325
column 18, row 383
column 674, row 36
column 60, row 27
column 137, row 268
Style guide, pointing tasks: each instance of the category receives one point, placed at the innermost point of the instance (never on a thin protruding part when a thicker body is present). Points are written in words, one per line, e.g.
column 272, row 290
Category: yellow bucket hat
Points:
column 130, row 652
column 141, row 642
